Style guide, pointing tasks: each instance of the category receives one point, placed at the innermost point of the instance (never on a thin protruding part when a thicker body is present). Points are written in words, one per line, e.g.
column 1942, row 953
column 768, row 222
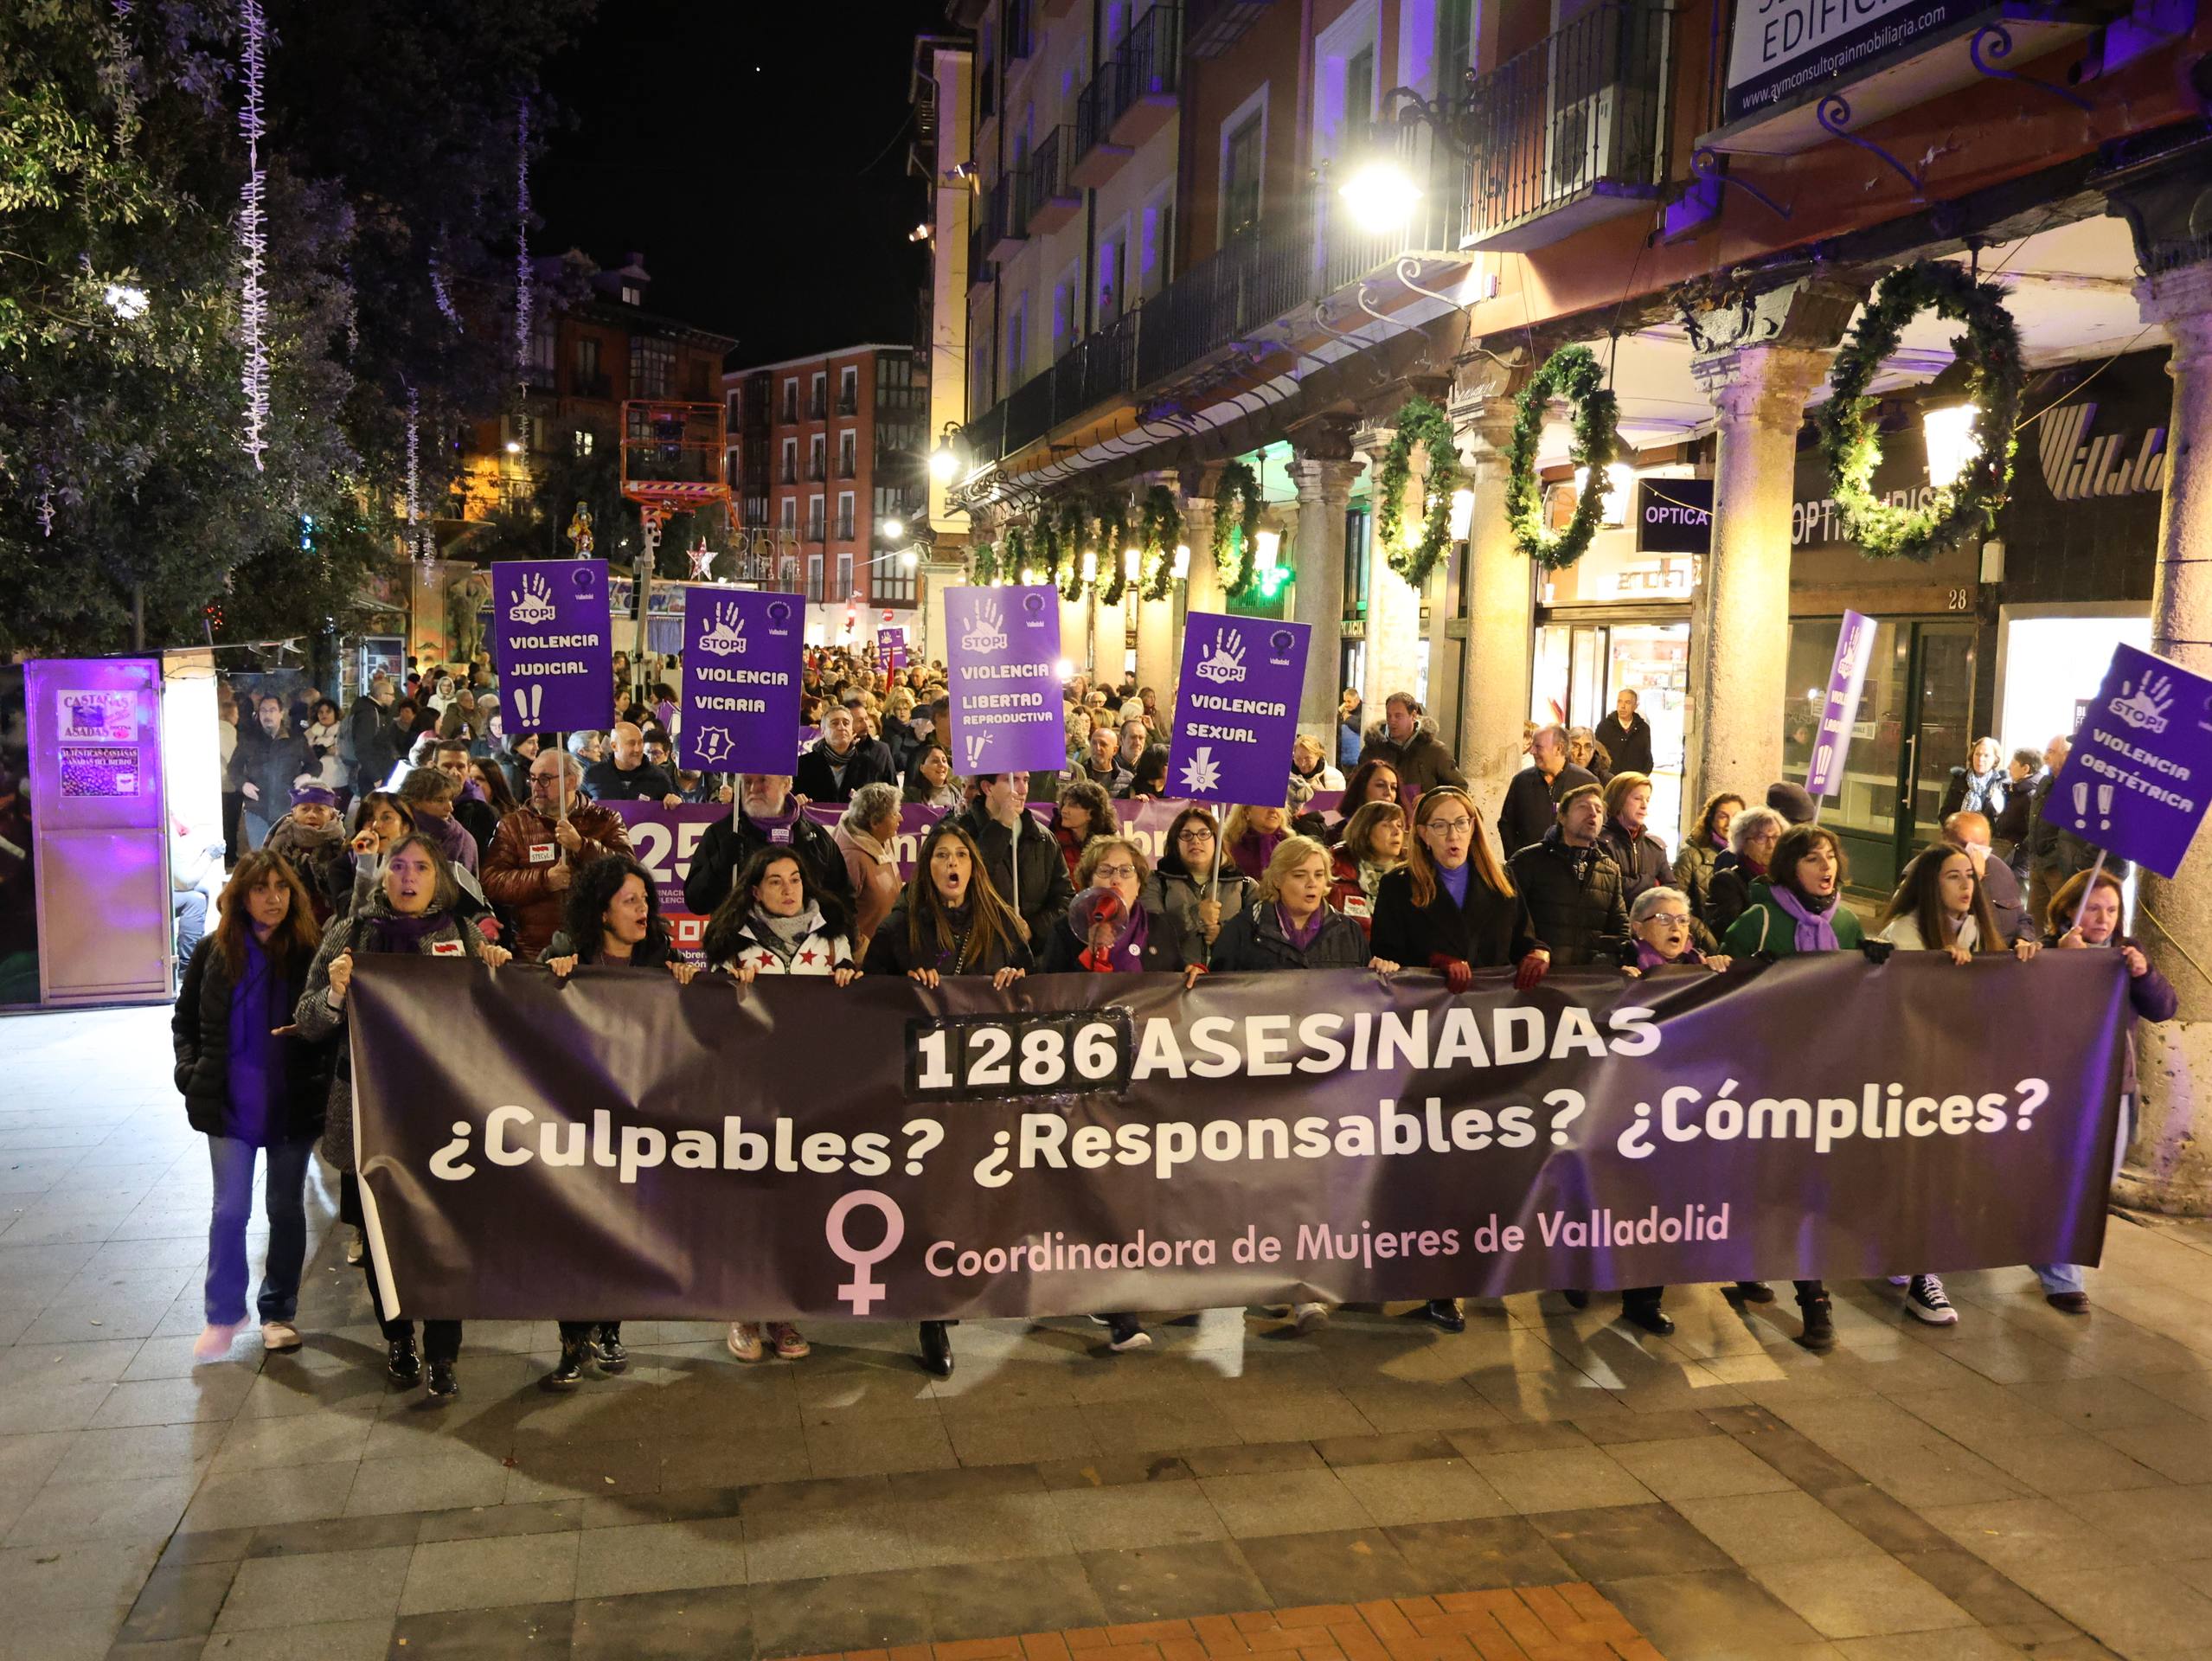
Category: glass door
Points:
column 1582, row 667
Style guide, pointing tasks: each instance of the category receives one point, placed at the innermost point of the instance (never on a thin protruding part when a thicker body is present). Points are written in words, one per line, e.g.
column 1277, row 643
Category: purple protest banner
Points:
column 891, row 649
column 553, row 645
column 741, row 671
column 1002, row 680
column 663, row 840
column 1846, row 680
column 1236, row 708
column 2136, row 782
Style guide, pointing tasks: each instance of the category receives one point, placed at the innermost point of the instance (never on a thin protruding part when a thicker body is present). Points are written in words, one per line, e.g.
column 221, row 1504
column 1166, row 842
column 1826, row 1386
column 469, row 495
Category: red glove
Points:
column 1534, row 968
column 1457, row 973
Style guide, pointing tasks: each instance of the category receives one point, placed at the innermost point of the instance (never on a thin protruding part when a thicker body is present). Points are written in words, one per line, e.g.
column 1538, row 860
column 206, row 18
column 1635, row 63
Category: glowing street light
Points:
column 908, row 559
column 1381, row 195
column 943, row 463
column 1953, row 443
column 894, row 528
column 1181, row 569
column 1268, row 551
column 1131, row 562
column 1090, row 565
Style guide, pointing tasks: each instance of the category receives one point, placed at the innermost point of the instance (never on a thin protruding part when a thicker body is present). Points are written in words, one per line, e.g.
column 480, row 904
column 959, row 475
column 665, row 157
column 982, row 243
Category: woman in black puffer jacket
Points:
column 253, row 1088
column 1289, row 924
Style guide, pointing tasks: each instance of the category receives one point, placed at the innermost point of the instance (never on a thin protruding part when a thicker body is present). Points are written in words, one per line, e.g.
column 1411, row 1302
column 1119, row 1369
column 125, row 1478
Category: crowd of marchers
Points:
column 414, row 825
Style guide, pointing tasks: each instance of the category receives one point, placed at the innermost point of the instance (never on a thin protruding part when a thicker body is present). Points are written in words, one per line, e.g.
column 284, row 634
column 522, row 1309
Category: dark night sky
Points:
column 731, row 142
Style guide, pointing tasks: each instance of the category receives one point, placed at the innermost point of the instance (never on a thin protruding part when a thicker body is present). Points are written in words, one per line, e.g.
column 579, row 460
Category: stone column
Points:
column 1395, row 652
column 1501, row 624
column 2169, row 1165
column 1739, row 630
column 1201, row 591
column 1324, row 472
column 1156, row 641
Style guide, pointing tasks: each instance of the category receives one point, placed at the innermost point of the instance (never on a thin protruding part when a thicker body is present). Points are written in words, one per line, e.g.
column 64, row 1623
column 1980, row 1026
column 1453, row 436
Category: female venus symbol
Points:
column 863, row 1292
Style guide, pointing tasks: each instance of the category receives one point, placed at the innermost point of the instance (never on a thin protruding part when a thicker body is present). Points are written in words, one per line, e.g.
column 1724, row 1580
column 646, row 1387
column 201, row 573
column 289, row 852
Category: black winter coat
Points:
column 1493, row 931
column 867, row 763
column 376, row 742
column 1643, row 860
column 889, row 952
column 199, row 1028
column 1253, row 940
column 1727, row 895
column 1045, row 890
column 1630, row 746
column 1532, row 806
column 1422, row 761
column 1168, row 949
column 1573, row 896
column 721, row 854
column 269, row 765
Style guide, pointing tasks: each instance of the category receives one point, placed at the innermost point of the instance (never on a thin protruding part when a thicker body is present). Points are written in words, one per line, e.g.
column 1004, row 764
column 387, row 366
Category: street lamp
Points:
column 1181, row 569
column 1131, row 562
column 894, row 528
column 1949, row 421
column 1381, row 194
column 908, row 559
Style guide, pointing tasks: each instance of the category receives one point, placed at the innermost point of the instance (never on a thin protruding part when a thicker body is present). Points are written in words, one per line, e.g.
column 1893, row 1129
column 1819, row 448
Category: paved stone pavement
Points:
column 2027, row 1483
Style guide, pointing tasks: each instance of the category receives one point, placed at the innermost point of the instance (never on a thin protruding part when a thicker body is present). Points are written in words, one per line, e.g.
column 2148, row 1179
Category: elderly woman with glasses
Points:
column 1660, row 926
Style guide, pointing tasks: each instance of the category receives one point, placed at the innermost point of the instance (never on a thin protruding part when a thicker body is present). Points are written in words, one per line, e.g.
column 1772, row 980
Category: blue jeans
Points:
column 285, row 1200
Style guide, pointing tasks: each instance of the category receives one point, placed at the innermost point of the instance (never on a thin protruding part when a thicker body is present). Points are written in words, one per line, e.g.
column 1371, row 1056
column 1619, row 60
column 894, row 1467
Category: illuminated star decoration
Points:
column 254, row 242
column 702, row 561
column 1200, row 775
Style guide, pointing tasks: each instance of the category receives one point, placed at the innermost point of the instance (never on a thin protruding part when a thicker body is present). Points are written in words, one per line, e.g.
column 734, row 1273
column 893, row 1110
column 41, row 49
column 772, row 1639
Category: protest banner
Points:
column 1236, row 708
column 1085, row 1142
column 741, row 668
column 552, row 643
column 1846, row 680
column 891, row 649
column 2138, row 777
column 1002, row 680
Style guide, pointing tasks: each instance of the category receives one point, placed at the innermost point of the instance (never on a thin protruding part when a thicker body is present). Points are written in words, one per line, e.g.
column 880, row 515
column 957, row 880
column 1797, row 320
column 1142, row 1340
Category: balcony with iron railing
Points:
column 1052, row 198
column 1002, row 208
column 1130, row 98
column 1572, row 132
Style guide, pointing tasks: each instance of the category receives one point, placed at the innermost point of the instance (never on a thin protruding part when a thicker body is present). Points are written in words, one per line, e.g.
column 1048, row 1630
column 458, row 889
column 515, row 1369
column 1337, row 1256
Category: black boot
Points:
column 568, row 1372
column 1646, row 1313
column 1576, row 1299
column 443, row 1387
column 606, row 1348
column 402, row 1365
column 1443, row 1314
column 1756, row 1291
column 937, row 1348
column 1819, row 1334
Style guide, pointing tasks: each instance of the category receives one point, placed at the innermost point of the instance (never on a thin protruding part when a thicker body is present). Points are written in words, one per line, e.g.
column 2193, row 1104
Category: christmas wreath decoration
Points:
column 1237, row 495
column 1851, row 441
column 1422, row 421
column 1159, row 530
column 1571, row 373
column 1114, row 537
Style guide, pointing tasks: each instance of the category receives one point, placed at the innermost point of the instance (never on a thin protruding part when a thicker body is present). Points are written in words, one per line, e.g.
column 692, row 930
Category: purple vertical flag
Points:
column 1002, row 679
column 2139, row 776
column 742, row 673
column 891, row 649
column 1846, row 679
column 553, row 643
column 1236, row 708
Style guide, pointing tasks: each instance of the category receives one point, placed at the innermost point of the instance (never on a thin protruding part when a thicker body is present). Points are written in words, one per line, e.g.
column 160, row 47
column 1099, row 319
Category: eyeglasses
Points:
column 1196, row 835
column 1670, row 919
column 1115, row 871
column 1452, row 827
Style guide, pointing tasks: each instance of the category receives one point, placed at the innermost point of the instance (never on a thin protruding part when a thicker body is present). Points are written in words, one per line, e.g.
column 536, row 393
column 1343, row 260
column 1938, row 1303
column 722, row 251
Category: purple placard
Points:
column 2137, row 781
column 741, row 671
column 1236, row 708
column 663, row 840
column 891, row 649
column 1846, row 680
column 1002, row 680
column 553, row 643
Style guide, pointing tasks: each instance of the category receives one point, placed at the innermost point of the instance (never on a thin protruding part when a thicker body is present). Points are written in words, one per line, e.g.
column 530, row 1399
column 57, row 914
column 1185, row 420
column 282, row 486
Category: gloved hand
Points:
column 1534, row 968
column 1876, row 950
column 1459, row 974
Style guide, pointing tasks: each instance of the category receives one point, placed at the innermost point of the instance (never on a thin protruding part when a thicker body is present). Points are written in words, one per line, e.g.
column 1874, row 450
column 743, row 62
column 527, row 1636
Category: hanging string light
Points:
column 522, row 296
column 415, row 537
column 254, row 242
column 437, row 293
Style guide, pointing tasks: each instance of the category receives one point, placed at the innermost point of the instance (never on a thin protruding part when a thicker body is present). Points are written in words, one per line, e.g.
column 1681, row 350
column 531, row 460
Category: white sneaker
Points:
column 1310, row 1315
column 355, row 1249
column 1926, row 1300
column 214, row 1342
column 279, row 1335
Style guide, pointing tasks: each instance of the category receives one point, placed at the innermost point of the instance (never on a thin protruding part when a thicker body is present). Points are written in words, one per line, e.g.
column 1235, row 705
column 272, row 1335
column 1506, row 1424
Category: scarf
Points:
column 785, row 935
column 1250, row 852
column 1300, row 937
column 389, row 932
column 771, row 823
column 1371, row 876
column 295, row 834
column 1746, row 863
column 1648, row 958
column 1815, row 932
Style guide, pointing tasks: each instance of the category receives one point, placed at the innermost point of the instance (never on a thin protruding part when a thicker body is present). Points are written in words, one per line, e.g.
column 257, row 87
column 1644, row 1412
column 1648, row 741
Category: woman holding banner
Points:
column 413, row 908
column 614, row 920
column 1452, row 908
column 1289, row 924
column 1182, row 885
column 950, row 921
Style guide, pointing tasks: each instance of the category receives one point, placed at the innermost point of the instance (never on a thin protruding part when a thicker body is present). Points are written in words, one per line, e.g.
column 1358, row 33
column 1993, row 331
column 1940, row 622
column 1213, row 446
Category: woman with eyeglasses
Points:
column 1452, row 909
column 1182, row 885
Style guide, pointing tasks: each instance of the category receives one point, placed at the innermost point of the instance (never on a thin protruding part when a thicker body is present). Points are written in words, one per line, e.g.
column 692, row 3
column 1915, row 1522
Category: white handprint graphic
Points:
column 726, row 633
column 986, row 630
column 2143, row 705
column 1225, row 663
column 533, row 602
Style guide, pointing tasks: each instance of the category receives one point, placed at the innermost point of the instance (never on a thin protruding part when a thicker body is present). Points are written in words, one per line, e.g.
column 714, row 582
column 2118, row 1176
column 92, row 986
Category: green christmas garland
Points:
column 1159, row 530
column 1418, row 421
column 1572, row 373
column 983, row 562
column 1238, row 494
column 1069, row 525
column 1850, row 440
column 1114, row 540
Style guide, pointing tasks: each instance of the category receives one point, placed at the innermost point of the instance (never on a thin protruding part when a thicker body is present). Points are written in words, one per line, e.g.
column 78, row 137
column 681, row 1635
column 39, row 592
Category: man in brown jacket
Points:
column 535, row 856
